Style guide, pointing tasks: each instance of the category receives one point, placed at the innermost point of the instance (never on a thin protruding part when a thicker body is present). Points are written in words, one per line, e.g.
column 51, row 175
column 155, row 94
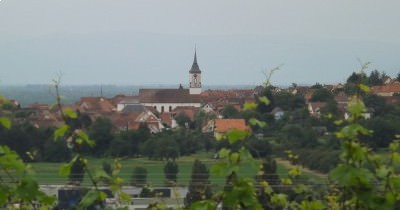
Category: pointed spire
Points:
column 195, row 55
column 195, row 67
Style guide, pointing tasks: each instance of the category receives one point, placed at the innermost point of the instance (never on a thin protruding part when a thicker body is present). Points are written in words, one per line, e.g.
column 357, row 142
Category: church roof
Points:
column 167, row 96
column 133, row 108
column 195, row 67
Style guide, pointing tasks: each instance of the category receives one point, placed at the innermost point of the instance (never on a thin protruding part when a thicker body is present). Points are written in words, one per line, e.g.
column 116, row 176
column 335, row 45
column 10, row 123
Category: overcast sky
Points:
column 129, row 42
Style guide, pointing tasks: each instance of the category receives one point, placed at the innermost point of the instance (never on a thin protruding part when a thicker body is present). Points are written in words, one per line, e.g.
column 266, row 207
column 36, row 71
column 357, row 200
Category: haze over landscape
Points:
column 152, row 42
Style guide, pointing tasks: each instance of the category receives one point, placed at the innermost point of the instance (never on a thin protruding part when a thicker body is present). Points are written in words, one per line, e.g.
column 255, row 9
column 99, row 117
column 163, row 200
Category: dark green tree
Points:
column 321, row 94
column 259, row 148
column 262, row 106
column 230, row 112
column 199, row 186
column 139, row 176
column 183, row 120
column 375, row 78
column 77, row 173
column 55, row 151
column 331, row 107
column 101, row 132
column 171, row 171
column 267, row 177
column 376, row 103
column 357, row 78
column 121, row 144
column 385, row 129
column 288, row 101
column 317, row 86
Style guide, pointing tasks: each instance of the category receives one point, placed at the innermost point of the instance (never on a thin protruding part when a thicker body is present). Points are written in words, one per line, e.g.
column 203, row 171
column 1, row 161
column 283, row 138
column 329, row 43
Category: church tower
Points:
column 195, row 77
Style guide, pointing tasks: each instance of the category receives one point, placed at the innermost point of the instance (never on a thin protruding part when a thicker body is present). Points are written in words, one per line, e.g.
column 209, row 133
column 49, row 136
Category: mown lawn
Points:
column 47, row 173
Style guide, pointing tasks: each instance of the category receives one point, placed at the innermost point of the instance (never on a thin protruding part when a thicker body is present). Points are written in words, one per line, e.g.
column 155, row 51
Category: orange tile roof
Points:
column 224, row 125
column 391, row 88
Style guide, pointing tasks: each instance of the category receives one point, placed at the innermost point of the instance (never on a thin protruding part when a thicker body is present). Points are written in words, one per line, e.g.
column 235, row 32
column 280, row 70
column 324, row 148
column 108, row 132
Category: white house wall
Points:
column 167, row 106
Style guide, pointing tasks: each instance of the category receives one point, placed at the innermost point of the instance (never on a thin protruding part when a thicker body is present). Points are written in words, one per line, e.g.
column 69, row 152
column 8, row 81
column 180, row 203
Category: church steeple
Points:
column 195, row 76
column 195, row 66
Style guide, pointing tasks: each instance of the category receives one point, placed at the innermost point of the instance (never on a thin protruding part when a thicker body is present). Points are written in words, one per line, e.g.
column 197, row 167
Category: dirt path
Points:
column 287, row 164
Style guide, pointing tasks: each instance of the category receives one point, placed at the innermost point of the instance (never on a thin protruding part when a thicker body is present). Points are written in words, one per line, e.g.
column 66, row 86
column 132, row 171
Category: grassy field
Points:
column 47, row 173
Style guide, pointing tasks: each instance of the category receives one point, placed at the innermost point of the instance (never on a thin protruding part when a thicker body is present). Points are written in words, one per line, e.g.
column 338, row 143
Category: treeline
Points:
column 37, row 144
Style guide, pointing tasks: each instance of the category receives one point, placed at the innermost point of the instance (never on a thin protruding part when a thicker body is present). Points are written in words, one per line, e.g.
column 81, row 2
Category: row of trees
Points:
column 37, row 144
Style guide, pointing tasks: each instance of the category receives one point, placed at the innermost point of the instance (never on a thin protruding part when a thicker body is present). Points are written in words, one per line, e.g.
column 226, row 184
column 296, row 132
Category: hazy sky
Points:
column 129, row 42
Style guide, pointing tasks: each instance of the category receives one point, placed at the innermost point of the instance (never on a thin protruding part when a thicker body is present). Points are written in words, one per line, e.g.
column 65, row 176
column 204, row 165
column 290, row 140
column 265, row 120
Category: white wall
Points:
column 172, row 105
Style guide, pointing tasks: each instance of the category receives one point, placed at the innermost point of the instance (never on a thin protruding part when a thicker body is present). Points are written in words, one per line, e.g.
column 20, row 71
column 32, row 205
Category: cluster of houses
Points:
column 390, row 91
column 158, row 108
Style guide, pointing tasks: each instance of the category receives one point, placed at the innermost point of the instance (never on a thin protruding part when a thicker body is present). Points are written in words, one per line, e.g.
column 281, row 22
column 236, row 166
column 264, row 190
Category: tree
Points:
column 77, row 172
column 331, row 107
column 183, row 120
column 55, row 151
column 265, row 101
column 317, row 86
column 296, row 136
column 121, row 144
column 321, row 94
column 385, row 130
column 357, row 78
column 139, row 176
column 375, row 78
column 377, row 103
column 101, row 132
column 288, row 101
column 171, row 170
column 268, row 175
column 199, row 186
column 230, row 112
column 259, row 148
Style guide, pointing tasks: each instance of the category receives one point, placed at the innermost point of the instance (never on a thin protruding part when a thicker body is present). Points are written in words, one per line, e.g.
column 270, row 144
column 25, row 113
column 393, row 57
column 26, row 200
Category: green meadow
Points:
column 48, row 173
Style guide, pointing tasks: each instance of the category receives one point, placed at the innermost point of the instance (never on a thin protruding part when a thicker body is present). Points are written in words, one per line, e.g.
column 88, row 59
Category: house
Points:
column 342, row 98
column 42, row 117
column 125, row 101
column 95, row 107
column 278, row 113
column 386, row 90
column 132, row 117
column 221, row 126
column 314, row 108
column 190, row 111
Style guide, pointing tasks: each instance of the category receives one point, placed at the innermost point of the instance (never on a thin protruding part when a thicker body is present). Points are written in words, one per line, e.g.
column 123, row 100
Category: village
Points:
column 158, row 108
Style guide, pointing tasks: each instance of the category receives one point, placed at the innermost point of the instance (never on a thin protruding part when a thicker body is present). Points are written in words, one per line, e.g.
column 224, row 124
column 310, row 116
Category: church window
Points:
column 170, row 108
column 162, row 109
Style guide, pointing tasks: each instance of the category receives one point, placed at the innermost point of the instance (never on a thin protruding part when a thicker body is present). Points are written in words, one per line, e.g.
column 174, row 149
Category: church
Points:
column 166, row 100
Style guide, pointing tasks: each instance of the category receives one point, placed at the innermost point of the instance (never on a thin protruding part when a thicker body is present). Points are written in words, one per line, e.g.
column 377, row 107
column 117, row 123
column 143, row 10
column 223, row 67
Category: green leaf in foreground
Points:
column 90, row 198
column 204, row 205
column 5, row 122
column 60, row 132
column 235, row 135
column 70, row 113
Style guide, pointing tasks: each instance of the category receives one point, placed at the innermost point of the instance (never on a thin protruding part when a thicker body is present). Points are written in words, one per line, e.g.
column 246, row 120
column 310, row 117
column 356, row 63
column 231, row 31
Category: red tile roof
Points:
column 188, row 111
column 167, row 96
column 390, row 88
column 224, row 125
